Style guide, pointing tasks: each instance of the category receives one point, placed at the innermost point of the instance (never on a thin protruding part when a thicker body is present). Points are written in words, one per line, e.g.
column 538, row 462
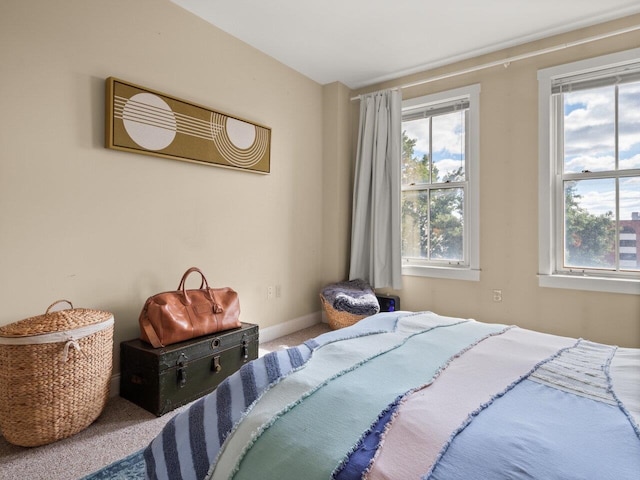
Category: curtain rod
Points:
column 515, row 58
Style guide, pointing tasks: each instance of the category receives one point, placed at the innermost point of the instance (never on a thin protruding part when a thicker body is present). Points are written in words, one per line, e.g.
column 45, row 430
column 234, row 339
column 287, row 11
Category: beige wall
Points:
column 509, row 199
column 337, row 183
column 106, row 229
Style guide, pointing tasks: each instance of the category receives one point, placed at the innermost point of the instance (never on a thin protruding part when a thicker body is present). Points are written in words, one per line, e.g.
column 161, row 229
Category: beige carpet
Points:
column 122, row 429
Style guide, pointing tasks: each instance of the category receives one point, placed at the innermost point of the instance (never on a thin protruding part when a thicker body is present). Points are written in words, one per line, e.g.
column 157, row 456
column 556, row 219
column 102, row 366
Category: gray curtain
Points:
column 375, row 231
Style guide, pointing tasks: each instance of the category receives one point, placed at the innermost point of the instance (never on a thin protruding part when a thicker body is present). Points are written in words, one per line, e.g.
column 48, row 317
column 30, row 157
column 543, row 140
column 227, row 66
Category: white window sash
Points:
column 470, row 269
column 551, row 270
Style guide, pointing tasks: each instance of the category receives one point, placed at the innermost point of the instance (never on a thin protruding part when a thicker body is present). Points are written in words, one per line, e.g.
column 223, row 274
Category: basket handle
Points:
column 57, row 302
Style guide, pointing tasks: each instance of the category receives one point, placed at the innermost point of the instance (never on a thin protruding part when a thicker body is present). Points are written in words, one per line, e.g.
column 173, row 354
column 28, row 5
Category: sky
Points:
column 449, row 140
column 589, row 121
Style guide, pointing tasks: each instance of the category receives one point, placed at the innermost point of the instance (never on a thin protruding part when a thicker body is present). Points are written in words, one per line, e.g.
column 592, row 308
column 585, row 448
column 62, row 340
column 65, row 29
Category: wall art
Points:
column 145, row 121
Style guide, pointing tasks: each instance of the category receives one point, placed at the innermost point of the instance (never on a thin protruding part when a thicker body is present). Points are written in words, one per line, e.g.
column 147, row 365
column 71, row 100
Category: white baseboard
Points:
column 276, row 331
column 266, row 335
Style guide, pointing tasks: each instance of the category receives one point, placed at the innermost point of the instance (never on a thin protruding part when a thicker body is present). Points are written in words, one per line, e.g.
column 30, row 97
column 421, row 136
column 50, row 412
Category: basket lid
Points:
column 58, row 321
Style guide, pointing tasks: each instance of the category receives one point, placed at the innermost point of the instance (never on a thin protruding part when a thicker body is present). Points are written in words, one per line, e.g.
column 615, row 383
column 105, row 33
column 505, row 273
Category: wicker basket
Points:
column 338, row 318
column 55, row 372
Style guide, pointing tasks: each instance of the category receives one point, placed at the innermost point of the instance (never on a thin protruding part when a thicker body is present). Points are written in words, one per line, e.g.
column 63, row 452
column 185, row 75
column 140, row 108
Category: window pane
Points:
column 629, row 125
column 415, row 216
column 630, row 223
column 449, row 146
column 590, row 223
column 446, row 232
column 415, row 151
column 589, row 130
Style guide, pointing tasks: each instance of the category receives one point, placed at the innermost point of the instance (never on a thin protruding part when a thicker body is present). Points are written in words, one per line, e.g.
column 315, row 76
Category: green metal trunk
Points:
column 162, row 379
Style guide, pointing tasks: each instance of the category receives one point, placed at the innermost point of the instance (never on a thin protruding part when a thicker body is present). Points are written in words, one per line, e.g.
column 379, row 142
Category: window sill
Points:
column 442, row 272
column 593, row 284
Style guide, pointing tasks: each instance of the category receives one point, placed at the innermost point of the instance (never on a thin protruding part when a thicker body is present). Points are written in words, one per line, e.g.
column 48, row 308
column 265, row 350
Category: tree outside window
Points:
column 433, row 180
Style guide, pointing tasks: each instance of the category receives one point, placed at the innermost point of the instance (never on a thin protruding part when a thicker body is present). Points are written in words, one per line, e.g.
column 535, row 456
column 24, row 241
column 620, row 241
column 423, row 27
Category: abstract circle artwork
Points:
column 144, row 121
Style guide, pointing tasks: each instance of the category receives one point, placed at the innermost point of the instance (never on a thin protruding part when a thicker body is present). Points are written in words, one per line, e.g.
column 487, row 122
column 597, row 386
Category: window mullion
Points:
column 617, row 166
column 466, row 247
column 559, row 208
column 631, row 172
column 617, row 223
column 615, row 129
column 430, row 150
column 428, row 232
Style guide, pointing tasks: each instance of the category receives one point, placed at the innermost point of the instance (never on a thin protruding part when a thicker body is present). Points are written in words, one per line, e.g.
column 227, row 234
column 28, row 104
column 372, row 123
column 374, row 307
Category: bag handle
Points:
column 203, row 283
column 151, row 333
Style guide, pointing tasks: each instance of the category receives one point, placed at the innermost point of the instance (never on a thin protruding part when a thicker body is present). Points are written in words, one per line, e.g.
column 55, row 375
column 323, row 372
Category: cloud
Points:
column 447, row 130
column 589, row 162
column 418, row 130
column 448, row 133
column 589, row 124
column 599, row 196
column 447, row 165
column 629, row 163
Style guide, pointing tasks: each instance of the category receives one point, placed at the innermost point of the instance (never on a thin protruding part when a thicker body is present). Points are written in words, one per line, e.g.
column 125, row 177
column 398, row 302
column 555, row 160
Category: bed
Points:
column 415, row 395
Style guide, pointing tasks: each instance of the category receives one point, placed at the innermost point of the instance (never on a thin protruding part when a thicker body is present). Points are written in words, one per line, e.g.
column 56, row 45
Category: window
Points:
column 440, row 186
column 590, row 174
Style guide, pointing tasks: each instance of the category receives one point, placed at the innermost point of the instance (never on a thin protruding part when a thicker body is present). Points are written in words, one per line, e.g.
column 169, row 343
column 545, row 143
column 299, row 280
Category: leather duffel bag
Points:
column 172, row 317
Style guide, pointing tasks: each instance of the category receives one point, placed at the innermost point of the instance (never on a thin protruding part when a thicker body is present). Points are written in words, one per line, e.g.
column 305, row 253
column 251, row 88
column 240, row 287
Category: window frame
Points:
column 551, row 186
column 439, row 269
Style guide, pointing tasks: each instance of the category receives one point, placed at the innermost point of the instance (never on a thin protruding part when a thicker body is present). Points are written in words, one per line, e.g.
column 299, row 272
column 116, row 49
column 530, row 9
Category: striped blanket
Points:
column 415, row 396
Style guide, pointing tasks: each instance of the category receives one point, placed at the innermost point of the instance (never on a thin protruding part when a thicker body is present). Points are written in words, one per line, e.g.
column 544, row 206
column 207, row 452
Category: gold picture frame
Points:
column 144, row 121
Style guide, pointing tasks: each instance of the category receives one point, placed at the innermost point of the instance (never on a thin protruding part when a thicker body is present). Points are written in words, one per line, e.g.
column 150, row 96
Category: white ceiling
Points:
column 362, row 42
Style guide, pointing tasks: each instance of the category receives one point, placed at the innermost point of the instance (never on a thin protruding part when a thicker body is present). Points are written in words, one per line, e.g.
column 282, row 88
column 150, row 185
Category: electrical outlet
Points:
column 270, row 292
column 497, row 295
